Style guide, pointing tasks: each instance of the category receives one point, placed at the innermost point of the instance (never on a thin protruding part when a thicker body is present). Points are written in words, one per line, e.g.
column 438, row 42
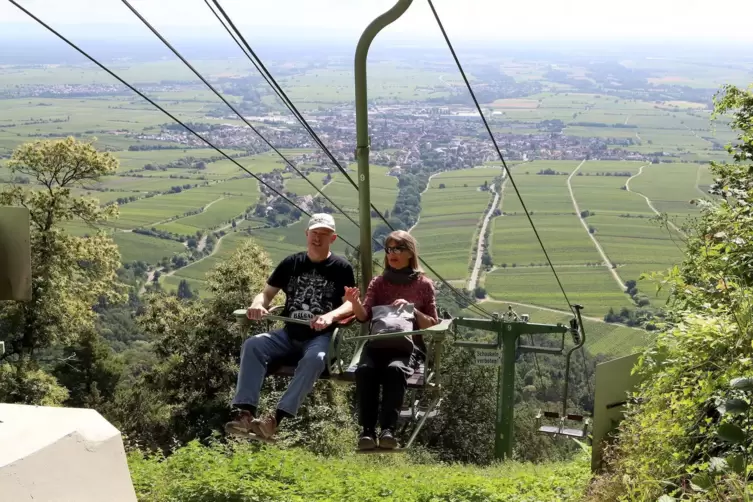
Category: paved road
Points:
column 604, row 257
column 481, row 239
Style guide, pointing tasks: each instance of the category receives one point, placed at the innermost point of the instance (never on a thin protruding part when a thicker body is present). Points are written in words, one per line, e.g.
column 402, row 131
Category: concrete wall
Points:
column 61, row 455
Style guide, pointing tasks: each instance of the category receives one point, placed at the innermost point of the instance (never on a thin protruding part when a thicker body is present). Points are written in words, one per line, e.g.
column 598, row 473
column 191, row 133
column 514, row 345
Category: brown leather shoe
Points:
column 242, row 424
column 265, row 427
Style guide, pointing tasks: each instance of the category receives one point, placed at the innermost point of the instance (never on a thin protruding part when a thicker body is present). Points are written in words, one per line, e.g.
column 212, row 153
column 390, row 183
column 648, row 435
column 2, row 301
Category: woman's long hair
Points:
column 403, row 238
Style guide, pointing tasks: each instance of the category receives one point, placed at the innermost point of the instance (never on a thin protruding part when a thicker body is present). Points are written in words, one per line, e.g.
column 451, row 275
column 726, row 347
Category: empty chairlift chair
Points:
column 564, row 423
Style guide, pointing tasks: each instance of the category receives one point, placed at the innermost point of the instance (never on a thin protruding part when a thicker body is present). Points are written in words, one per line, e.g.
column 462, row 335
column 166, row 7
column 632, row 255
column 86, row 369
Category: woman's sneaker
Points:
column 387, row 441
column 367, row 441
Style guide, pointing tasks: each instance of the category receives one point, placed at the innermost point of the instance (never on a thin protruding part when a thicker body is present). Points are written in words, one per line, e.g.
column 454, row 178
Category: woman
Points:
column 401, row 299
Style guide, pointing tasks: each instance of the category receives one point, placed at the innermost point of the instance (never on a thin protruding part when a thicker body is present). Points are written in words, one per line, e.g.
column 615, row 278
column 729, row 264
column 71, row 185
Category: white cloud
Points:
column 467, row 19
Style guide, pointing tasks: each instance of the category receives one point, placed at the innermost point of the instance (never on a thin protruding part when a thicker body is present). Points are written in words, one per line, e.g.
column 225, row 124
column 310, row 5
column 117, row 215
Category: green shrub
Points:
column 686, row 438
column 251, row 472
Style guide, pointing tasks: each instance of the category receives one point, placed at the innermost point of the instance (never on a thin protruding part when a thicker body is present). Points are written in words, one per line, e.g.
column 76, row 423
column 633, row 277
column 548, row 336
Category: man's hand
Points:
column 322, row 322
column 400, row 303
column 352, row 295
column 256, row 312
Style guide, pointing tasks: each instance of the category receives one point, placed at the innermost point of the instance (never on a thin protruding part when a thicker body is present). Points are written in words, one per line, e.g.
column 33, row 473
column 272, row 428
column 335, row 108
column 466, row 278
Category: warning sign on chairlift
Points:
column 487, row 357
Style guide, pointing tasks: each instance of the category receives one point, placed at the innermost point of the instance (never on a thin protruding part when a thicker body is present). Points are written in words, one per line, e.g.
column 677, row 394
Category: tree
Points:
column 90, row 372
column 184, row 290
column 70, row 274
column 194, row 339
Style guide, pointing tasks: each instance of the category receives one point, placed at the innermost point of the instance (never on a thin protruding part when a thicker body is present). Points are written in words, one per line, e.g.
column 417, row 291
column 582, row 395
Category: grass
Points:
column 246, row 187
column 387, row 80
column 146, row 212
column 592, row 287
column 220, row 213
column 198, row 271
column 513, row 240
column 170, row 283
column 449, row 217
column 383, row 189
column 137, row 184
column 299, row 186
column 138, row 159
column 102, row 197
column 670, row 187
column 257, row 164
column 246, row 472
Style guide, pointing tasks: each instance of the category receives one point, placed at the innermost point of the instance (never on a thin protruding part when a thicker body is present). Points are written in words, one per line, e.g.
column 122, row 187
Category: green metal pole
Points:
column 362, row 132
column 506, row 399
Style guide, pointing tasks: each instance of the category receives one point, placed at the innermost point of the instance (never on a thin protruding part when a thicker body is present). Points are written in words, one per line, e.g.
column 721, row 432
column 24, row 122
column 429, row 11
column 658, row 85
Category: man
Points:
column 314, row 283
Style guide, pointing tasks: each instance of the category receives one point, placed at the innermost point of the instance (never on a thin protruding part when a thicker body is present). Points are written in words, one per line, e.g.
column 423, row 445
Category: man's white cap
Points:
column 322, row 220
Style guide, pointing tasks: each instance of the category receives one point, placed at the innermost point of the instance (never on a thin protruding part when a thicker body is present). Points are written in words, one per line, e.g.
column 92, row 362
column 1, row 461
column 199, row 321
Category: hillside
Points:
column 245, row 472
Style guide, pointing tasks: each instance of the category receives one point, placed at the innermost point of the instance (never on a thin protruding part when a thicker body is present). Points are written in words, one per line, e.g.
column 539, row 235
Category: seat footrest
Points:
column 563, row 431
column 408, row 413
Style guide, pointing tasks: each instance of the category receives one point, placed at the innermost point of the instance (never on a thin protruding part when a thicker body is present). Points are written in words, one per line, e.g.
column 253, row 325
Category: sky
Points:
column 468, row 20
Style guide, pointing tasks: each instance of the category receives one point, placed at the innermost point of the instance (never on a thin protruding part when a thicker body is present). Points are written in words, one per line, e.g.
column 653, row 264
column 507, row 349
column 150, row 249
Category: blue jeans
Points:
column 258, row 350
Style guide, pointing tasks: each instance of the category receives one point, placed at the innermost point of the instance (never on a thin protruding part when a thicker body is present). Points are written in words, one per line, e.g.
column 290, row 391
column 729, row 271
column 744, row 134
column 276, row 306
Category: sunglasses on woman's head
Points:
column 396, row 249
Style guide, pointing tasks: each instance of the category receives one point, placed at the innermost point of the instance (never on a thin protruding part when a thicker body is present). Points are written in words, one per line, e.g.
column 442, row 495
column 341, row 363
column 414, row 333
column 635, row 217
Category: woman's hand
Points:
column 400, row 302
column 353, row 295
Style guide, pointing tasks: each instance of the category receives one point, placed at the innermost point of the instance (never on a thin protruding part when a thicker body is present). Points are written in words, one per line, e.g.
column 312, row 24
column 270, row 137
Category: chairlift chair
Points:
column 423, row 384
column 285, row 366
column 564, row 423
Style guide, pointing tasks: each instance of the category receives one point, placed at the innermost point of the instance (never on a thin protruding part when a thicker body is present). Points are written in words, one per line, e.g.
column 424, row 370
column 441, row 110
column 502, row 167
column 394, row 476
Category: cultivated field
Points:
column 451, row 209
column 621, row 220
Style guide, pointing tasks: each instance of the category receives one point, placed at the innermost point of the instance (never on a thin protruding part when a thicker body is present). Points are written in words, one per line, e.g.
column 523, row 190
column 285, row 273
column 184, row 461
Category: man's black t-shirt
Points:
column 311, row 289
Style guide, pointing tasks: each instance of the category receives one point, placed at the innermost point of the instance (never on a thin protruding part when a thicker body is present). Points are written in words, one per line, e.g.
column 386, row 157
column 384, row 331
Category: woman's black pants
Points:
column 387, row 370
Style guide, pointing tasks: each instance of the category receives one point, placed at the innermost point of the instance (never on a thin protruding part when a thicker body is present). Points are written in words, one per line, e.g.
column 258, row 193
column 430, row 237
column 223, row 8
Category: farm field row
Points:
column 631, row 238
column 451, row 210
column 448, row 225
column 219, row 213
column 621, row 222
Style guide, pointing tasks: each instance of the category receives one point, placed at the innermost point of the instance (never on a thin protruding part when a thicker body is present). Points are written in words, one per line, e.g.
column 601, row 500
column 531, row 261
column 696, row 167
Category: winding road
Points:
column 648, row 201
column 607, row 262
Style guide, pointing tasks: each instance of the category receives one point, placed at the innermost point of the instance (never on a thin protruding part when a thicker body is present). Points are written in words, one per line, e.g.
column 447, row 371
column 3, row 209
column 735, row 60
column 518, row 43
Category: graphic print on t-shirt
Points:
column 311, row 294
